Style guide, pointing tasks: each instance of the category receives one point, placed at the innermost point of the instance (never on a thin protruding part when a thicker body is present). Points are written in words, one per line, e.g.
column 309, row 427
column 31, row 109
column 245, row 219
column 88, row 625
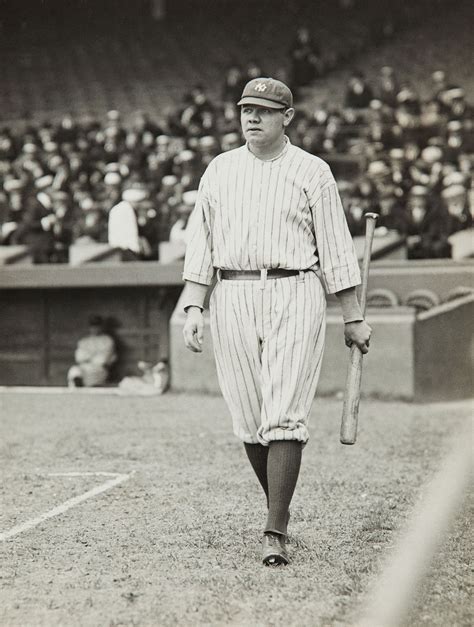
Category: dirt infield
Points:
column 177, row 541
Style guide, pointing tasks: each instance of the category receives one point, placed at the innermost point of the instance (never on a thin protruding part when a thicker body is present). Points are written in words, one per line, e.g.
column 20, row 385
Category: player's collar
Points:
column 283, row 151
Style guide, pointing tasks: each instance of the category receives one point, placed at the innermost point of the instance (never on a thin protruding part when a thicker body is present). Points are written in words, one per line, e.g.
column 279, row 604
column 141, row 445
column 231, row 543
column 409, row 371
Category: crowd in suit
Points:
column 60, row 181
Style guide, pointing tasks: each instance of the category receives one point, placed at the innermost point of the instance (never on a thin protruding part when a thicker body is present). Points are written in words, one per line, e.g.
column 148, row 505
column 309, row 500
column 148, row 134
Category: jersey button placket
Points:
column 254, row 226
column 260, row 226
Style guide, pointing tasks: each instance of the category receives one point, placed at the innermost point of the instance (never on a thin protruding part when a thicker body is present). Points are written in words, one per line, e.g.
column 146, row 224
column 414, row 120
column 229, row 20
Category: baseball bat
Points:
column 350, row 410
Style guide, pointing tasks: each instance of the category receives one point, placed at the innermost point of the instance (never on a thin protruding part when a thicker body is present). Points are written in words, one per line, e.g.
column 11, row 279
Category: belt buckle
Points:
column 263, row 278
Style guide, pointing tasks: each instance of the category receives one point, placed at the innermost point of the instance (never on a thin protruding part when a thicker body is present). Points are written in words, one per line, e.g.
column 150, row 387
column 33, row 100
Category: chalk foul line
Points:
column 116, row 479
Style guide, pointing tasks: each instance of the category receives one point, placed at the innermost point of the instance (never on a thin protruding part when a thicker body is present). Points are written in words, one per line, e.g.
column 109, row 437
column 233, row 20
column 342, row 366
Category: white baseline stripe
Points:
column 397, row 586
column 84, row 474
column 46, row 389
column 64, row 507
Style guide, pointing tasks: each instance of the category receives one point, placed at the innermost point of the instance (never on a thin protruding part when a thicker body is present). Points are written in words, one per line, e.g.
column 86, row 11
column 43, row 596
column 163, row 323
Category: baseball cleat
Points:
column 273, row 550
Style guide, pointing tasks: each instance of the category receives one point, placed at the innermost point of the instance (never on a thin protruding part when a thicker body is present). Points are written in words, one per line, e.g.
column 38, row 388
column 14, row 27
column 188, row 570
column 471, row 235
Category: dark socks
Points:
column 283, row 466
column 258, row 455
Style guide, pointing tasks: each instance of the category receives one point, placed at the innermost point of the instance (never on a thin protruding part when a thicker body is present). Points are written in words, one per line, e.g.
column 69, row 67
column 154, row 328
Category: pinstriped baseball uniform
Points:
column 254, row 214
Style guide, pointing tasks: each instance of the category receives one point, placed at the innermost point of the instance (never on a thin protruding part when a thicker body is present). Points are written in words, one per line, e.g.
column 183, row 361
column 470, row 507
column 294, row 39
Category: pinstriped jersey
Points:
column 286, row 212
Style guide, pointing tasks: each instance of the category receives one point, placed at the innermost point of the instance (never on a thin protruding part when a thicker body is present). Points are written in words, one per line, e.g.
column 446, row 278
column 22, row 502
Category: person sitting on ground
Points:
column 154, row 379
column 94, row 356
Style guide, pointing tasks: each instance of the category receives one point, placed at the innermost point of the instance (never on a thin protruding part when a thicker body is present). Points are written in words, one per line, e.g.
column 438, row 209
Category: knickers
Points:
column 268, row 343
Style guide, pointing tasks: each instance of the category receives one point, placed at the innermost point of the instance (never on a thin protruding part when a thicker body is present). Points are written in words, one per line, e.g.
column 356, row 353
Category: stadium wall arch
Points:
column 421, row 354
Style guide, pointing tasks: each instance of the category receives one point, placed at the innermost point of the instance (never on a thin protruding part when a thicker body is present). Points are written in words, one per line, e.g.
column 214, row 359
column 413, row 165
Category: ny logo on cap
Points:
column 260, row 87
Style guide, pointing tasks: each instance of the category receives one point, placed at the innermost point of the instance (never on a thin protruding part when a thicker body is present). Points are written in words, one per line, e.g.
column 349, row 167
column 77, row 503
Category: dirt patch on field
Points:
column 178, row 543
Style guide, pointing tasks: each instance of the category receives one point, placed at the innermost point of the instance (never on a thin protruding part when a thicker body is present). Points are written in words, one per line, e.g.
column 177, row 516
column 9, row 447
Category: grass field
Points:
column 178, row 541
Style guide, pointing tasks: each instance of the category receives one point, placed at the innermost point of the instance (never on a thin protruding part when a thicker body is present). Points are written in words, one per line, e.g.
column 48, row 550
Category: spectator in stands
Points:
column 426, row 226
column 229, row 120
column 160, row 160
column 123, row 226
column 34, row 231
column 62, row 221
column 148, row 223
column 7, row 148
column 387, row 88
column 454, row 140
column 232, row 87
column 305, row 60
column 67, row 131
column 142, row 124
column 77, row 170
column 11, row 207
column 407, row 115
column 439, row 84
column 94, row 356
column 197, row 116
column 252, row 70
column 230, row 141
column 399, row 168
column 456, row 202
column 358, row 93
column 355, row 216
column 91, row 226
column 208, row 148
column 457, row 107
column 167, row 200
column 178, row 230
column 390, row 209
column 187, row 169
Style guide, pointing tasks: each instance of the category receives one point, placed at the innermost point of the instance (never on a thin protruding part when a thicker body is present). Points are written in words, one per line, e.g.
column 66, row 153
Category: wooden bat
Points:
column 350, row 410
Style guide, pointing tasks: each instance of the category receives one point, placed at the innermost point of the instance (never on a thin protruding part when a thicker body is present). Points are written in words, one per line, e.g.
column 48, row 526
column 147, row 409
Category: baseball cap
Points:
column 267, row 92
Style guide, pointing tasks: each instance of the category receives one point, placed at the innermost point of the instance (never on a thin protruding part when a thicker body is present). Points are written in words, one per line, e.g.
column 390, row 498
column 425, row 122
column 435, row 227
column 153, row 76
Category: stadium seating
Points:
column 91, row 57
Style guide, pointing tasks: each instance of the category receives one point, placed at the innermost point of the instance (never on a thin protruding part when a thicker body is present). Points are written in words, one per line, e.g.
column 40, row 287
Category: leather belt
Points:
column 255, row 275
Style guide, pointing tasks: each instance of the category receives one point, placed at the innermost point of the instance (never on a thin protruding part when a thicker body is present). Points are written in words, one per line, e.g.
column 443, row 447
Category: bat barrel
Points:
column 350, row 410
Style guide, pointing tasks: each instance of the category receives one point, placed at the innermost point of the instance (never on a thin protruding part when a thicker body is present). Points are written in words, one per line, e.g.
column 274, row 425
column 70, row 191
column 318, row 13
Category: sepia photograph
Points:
column 236, row 313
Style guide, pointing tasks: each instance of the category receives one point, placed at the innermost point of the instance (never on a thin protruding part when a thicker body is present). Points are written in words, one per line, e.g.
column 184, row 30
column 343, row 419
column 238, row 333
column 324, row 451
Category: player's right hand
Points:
column 358, row 333
column 193, row 330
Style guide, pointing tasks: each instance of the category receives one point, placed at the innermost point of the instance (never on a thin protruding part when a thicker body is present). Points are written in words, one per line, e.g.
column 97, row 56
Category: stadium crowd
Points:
column 61, row 182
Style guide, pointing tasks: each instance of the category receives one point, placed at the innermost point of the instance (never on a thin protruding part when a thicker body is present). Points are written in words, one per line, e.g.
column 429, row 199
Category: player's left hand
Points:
column 358, row 333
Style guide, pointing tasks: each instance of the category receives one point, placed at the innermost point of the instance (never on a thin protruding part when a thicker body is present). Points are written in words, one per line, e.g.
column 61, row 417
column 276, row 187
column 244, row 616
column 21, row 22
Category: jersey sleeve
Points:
column 336, row 252
column 198, row 265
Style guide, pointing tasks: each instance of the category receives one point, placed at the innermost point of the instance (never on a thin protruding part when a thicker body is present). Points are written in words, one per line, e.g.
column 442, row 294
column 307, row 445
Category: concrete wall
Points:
column 444, row 351
column 424, row 357
column 441, row 276
column 388, row 368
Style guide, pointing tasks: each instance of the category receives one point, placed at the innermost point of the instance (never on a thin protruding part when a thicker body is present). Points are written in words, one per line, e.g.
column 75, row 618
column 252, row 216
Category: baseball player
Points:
column 269, row 222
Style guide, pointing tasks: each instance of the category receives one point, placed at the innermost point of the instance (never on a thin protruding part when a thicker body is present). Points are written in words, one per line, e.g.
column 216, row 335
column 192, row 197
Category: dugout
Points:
column 44, row 311
column 422, row 318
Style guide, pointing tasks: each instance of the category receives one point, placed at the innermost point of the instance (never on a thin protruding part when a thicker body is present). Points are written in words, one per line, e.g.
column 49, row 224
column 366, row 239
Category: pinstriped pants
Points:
column 268, row 344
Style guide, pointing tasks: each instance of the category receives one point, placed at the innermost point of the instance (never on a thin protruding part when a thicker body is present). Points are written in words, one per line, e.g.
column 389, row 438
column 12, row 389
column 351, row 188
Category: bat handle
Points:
column 371, row 220
column 350, row 411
